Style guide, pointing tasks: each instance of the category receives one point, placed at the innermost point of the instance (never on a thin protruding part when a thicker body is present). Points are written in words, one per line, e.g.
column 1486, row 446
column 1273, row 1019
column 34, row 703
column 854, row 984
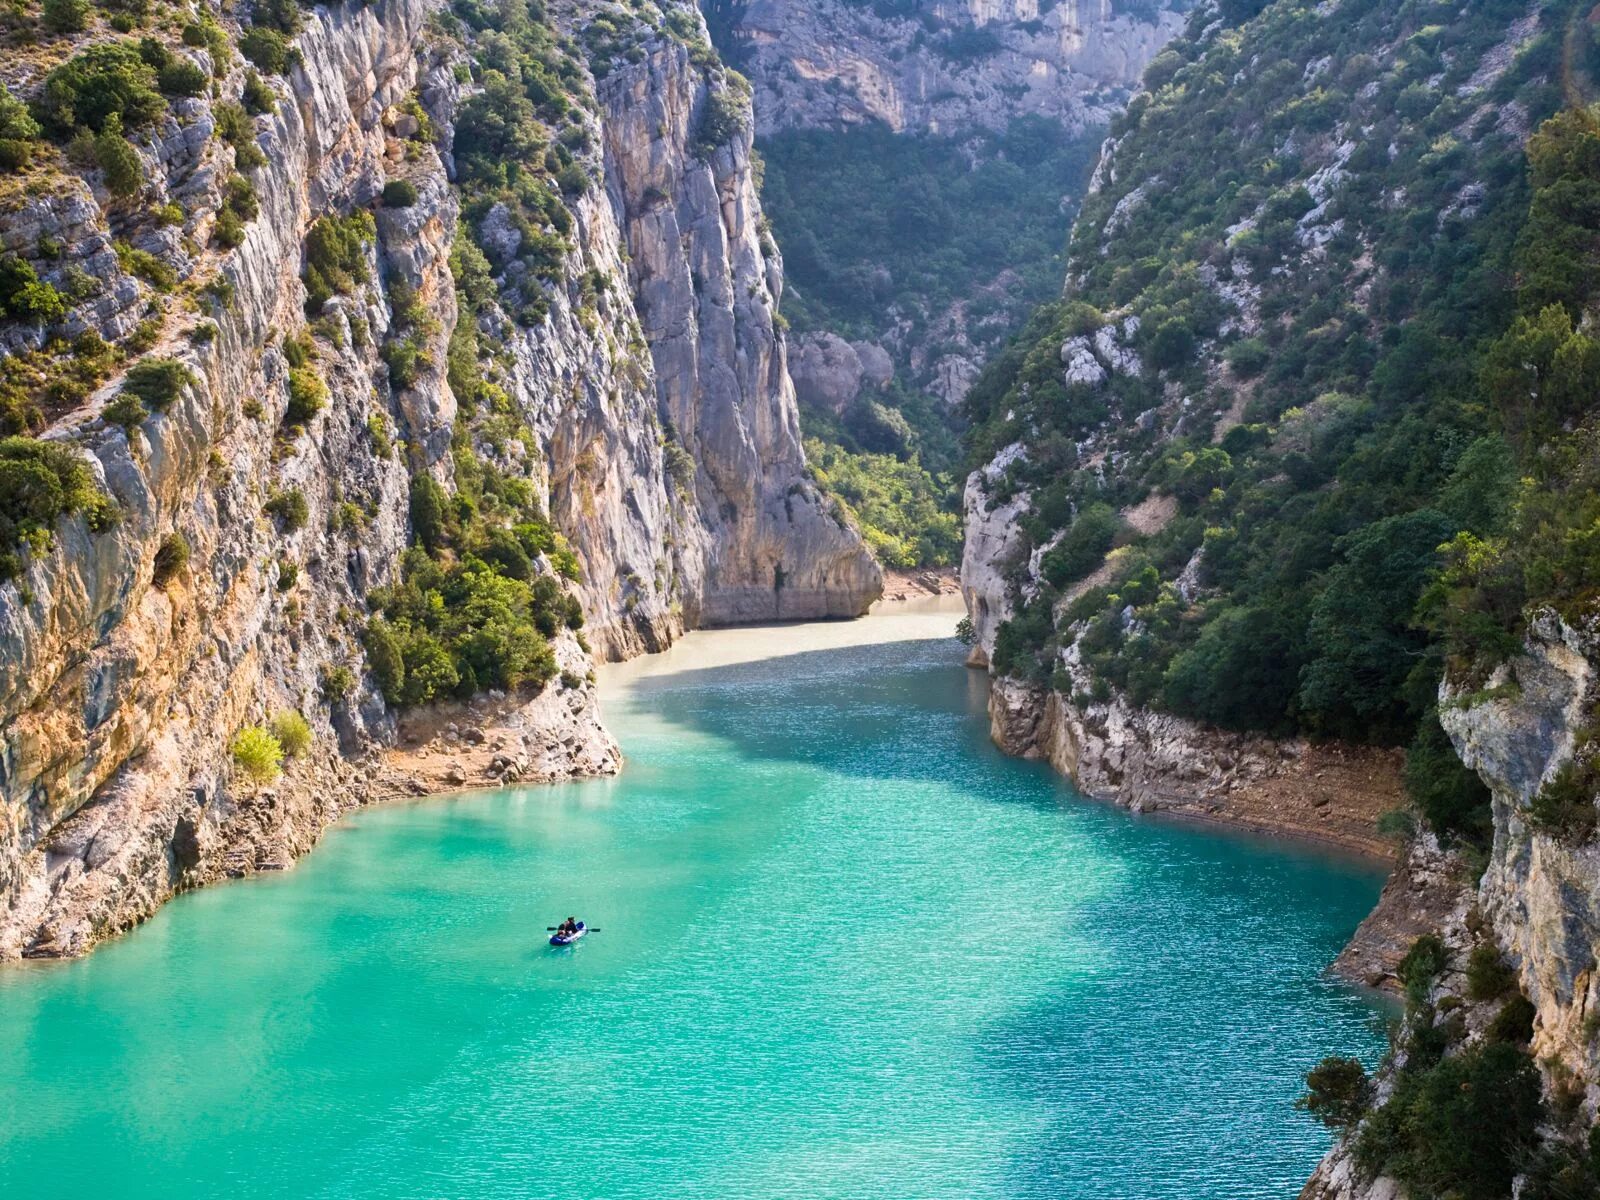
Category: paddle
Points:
column 587, row 928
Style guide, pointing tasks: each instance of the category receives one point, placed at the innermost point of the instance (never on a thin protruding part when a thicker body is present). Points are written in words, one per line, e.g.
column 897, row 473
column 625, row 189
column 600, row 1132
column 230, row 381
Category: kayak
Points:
column 566, row 939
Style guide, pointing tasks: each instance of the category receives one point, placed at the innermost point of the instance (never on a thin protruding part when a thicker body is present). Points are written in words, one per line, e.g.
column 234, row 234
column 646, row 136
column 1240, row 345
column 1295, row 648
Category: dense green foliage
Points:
column 336, row 257
column 40, row 482
column 157, row 382
column 869, row 220
column 1341, row 238
column 1337, row 1092
column 474, row 610
column 111, row 80
column 902, row 510
column 258, row 754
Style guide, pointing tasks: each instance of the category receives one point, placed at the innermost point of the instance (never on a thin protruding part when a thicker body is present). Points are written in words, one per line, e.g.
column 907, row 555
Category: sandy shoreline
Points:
column 925, row 618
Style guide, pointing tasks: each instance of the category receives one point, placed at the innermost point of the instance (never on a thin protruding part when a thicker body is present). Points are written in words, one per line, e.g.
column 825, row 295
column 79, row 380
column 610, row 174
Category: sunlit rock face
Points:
column 655, row 421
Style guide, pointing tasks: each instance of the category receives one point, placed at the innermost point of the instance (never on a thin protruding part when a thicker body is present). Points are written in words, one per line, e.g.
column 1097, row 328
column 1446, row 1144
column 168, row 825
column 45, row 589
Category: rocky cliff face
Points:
column 656, row 419
column 942, row 66
column 1541, row 892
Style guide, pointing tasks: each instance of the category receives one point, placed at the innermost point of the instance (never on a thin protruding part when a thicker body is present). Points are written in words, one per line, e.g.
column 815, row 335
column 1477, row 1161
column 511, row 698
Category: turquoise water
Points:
column 846, row 950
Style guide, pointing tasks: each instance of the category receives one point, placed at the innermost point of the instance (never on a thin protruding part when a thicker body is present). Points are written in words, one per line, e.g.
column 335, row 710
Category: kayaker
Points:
column 569, row 926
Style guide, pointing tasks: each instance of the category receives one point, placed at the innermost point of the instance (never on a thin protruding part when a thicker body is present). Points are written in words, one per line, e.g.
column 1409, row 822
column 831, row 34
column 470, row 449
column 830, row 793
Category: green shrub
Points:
column 280, row 15
column 66, row 16
column 288, row 574
column 1452, row 799
column 172, row 556
column 293, row 732
column 1338, row 1092
column 258, row 98
column 308, row 395
column 399, row 193
column 1083, row 547
column 120, row 162
column 258, row 754
column 1459, row 1128
column 158, row 274
column 289, row 508
column 104, row 81
column 24, row 297
column 1513, row 1024
column 1489, row 976
column 406, row 360
column 1564, row 808
column 1423, row 963
column 40, row 482
column 723, row 119
column 385, row 658
column 267, row 49
column 157, row 381
column 1249, row 357
column 18, row 132
column 428, row 512
column 180, row 77
column 336, row 257
column 337, row 682
column 126, row 411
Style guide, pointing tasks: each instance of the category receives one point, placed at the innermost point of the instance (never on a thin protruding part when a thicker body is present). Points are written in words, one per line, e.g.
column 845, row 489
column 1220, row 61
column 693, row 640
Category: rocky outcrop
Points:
column 942, row 66
column 655, row 419
column 993, row 549
column 1541, row 892
column 766, row 544
column 1154, row 762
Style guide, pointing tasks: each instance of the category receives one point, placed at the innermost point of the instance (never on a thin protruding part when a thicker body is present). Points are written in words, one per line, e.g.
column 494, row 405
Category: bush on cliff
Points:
column 336, row 257
column 24, row 296
column 40, row 482
column 171, row 558
column 158, row 382
column 293, row 732
column 257, row 754
column 104, row 81
column 66, row 16
column 1461, row 1127
column 18, row 132
column 1338, row 1092
column 399, row 193
column 266, row 48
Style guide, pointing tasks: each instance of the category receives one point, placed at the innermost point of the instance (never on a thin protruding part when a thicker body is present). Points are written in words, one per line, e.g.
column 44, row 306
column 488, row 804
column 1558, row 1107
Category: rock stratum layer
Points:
column 655, row 422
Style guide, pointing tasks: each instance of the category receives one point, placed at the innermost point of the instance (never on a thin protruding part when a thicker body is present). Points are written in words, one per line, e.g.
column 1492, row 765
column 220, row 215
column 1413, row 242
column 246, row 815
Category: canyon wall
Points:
column 942, row 66
column 648, row 405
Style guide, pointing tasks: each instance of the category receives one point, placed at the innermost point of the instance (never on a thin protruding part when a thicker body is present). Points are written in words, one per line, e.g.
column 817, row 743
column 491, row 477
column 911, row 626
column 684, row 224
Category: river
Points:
column 846, row 949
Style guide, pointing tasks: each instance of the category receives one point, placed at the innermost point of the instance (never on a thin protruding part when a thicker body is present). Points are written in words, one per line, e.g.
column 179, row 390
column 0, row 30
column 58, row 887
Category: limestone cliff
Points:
column 256, row 510
column 1541, row 891
column 942, row 65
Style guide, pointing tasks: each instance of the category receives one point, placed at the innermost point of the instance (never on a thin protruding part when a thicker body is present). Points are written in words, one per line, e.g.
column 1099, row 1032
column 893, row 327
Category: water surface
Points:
column 847, row 950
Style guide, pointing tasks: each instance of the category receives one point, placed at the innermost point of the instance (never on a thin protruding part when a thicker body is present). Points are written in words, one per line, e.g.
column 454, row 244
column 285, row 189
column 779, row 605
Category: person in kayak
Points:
column 568, row 927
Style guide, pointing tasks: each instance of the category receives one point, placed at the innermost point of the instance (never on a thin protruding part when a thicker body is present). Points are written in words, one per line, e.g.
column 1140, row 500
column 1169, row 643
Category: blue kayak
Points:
column 566, row 939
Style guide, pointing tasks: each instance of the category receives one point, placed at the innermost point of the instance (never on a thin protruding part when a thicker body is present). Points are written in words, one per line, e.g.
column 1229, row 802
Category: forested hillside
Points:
column 1300, row 313
column 1311, row 431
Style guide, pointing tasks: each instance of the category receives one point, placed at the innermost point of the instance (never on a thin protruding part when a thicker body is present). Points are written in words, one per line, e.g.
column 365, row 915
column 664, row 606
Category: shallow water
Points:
column 846, row 950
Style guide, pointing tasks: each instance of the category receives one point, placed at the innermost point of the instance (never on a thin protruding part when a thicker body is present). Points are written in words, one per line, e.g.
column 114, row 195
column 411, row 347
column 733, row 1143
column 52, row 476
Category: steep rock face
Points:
column 120, row 697
column 944, row 65
column 770, row 546
column 1540, row 893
